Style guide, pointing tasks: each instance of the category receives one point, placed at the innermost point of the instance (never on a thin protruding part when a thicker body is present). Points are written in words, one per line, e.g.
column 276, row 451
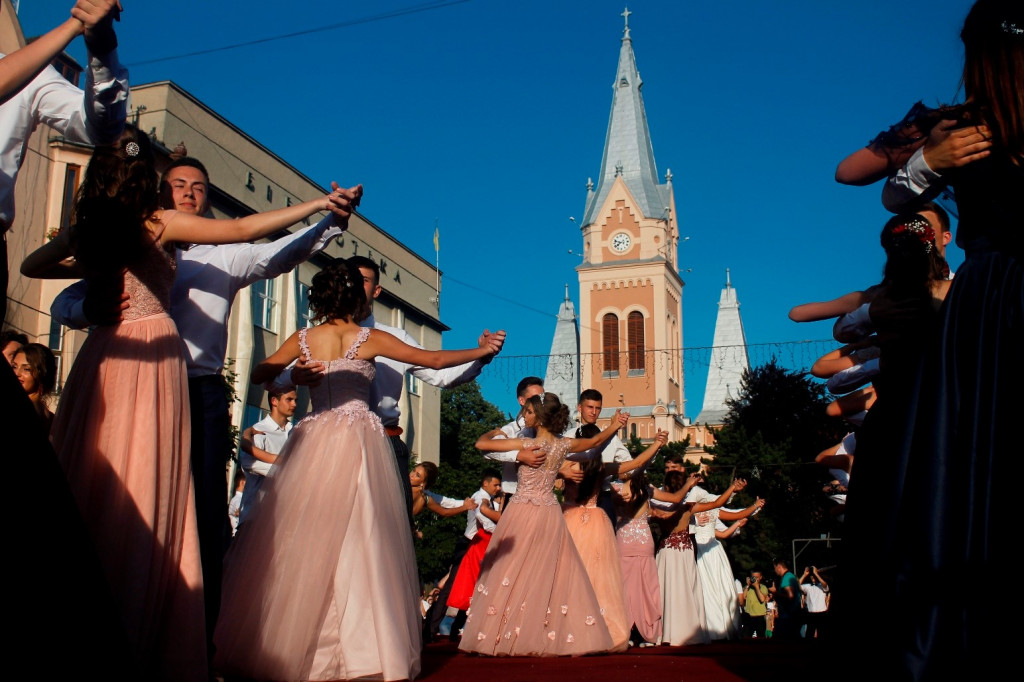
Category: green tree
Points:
column 465, row 415
column 771, row 435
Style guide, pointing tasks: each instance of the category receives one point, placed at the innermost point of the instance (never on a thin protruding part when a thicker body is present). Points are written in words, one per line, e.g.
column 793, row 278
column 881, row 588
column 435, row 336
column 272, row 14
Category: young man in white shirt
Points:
column 485, row 517
column 588, row 411
column 262, row 443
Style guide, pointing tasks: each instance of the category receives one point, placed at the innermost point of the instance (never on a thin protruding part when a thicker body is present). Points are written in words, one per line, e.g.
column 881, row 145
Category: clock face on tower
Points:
column 621, row 242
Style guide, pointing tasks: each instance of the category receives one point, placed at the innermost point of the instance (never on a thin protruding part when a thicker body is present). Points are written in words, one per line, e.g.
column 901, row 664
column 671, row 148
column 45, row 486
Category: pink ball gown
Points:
column 640, row 576
column 594, row 537
column 321, row 582
column 533, row 597
column 122, row 435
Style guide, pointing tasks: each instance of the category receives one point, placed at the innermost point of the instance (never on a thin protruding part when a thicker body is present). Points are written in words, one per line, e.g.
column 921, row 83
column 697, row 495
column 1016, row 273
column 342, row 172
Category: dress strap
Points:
column 364, row 334
column 303, row 346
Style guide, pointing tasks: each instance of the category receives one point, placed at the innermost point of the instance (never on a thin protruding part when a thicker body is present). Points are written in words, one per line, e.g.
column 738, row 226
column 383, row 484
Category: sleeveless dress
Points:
column 533, row 597
column 717, row 580
column 683, row 619
column 321, row 582
column 121, row 434
column 640, row 577
column 594, row 537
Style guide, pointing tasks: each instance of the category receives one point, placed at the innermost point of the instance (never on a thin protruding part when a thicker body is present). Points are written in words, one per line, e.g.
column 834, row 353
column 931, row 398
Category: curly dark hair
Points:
column 119, row 193
column 337, row 294
column 551, row 413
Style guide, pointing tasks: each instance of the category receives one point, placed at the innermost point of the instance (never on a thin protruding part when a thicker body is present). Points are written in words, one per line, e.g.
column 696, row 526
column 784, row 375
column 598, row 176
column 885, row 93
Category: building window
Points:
column 635, row 339
column 610, row 345
column 71, row 175
column 632, row 430
column 303, row 316
column 264, row 304
column 412, row 384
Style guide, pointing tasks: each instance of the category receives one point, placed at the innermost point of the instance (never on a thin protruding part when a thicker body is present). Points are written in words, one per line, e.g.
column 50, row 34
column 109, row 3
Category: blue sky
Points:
column 490, row 116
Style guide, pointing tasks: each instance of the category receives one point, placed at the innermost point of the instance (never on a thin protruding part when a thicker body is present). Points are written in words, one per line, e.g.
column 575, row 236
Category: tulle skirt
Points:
column 594, row 537
column 121, row 434
column 533, row 597
column 720, row 602
column 321, row 581
column 683, row 619
column 641, row 590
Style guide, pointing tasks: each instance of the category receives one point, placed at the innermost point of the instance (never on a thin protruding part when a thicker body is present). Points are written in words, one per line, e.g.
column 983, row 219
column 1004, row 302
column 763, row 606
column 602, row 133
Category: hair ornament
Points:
column 920, row 228
column 1011, row 28
column 131, row 149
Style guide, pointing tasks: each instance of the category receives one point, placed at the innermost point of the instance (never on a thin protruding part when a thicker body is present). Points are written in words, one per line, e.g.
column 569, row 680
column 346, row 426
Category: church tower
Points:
column 728, row 359
column 563, row 372
column 631, row 294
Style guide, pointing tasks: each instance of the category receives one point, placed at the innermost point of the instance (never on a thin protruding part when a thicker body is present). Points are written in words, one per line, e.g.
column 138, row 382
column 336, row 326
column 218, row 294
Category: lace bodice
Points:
column 636, row 531
column 705, row 526
column 537, row 485
column 345, row 389
column 148, row 283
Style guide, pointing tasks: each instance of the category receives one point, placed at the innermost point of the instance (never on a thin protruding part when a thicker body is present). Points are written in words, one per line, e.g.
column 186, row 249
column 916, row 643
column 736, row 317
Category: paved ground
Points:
column 720, row 662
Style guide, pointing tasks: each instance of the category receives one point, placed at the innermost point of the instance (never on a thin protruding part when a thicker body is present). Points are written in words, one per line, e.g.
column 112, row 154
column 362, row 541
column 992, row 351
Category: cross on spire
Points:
column 625, row 14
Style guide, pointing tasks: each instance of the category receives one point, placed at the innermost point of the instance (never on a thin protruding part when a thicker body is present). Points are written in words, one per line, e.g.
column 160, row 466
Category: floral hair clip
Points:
column 1011, row 28
column 921, row 229
column 131, row 149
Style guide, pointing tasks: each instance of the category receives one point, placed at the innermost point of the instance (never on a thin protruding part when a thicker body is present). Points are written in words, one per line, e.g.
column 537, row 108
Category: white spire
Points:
column 728, row 358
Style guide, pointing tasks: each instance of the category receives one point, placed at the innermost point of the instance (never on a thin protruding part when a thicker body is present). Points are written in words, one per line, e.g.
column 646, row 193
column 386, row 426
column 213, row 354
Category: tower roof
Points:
column 627, row 147
column 563, row 373
column 728, row 358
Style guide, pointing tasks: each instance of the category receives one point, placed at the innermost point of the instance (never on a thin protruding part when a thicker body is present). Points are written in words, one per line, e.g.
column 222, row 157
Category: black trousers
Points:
column 439, row 608
column 211, row 448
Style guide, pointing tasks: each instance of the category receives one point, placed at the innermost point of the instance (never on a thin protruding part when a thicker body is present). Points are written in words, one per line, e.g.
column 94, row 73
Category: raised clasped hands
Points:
column 661, row 437
column 492, row 341
column 343, row 202
column 738, row 484
column 621, row 418
column 760, row 503
column 92, row 12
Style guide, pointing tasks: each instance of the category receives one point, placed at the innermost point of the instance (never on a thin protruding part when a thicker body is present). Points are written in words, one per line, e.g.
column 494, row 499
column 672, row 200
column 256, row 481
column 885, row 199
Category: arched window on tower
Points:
column 610, row 345
column 635, row 339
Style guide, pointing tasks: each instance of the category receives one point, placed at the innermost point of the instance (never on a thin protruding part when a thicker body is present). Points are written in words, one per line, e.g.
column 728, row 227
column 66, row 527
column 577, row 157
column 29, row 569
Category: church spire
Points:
column 627, row 148
column 728, row 358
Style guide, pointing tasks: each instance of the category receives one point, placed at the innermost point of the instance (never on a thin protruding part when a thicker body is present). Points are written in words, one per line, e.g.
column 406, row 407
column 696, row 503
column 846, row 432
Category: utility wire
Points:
column 413, row 9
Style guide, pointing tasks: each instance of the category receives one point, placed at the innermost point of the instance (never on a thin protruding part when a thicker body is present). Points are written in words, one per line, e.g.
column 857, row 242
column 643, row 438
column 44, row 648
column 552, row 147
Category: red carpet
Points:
column 722, row 662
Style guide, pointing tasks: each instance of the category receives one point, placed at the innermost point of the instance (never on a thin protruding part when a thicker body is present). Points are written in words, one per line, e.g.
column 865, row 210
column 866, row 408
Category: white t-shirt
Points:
column 815, row 598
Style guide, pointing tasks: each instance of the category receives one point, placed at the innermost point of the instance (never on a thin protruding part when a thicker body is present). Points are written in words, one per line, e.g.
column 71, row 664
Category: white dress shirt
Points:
column 272, row 438
column 205, row 285
column 914, row 182
column 476, row 518
column 514, row 429
column 446, row 502
column 386, row 390
column 93, row 117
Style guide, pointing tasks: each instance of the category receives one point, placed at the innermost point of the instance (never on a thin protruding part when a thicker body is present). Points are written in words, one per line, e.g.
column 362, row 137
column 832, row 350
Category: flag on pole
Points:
column 437, row 239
